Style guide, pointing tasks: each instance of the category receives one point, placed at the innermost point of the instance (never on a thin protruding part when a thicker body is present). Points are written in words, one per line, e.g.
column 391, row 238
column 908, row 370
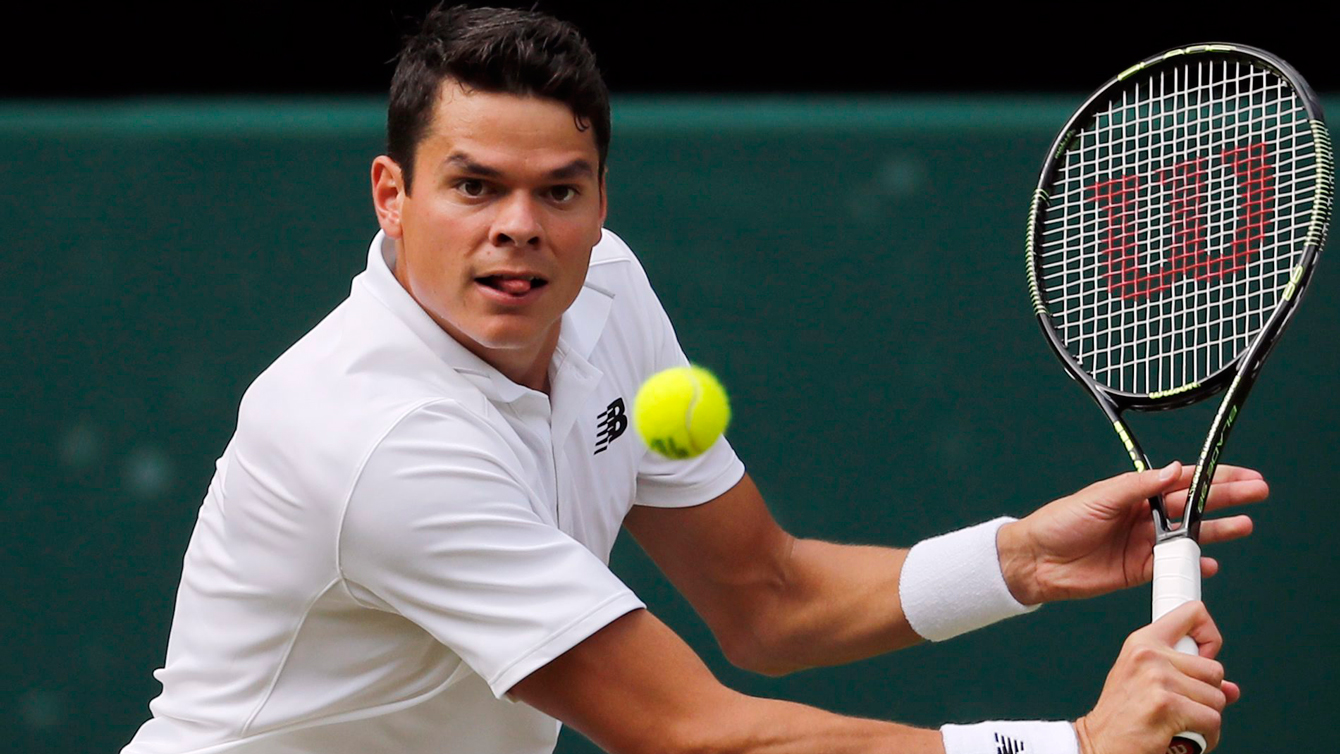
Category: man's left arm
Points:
column 777, row 603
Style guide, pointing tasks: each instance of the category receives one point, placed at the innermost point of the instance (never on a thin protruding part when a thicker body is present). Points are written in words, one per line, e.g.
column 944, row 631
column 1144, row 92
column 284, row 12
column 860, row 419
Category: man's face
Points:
column 496, row 234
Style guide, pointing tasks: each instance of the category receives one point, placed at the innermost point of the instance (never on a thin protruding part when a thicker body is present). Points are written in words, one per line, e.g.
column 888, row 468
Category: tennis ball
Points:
column 680, row 412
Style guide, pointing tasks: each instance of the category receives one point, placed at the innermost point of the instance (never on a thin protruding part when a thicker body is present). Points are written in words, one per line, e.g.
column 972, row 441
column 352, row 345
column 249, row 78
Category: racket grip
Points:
column 1177, row 582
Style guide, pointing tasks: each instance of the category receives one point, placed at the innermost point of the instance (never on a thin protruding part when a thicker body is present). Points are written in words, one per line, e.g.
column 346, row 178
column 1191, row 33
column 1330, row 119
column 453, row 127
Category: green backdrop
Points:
column 853, row 269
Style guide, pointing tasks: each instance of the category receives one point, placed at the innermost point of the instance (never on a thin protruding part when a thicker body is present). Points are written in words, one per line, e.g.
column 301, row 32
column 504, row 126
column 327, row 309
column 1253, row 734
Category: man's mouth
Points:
column 513, row 285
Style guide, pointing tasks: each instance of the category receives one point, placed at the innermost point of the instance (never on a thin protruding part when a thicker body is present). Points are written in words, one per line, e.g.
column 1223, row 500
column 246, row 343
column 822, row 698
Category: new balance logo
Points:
column 1007, row 745
column 613, row 422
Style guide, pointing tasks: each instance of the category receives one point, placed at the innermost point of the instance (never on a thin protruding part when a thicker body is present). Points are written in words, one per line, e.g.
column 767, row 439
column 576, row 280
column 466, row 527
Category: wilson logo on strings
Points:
column 1184, row 188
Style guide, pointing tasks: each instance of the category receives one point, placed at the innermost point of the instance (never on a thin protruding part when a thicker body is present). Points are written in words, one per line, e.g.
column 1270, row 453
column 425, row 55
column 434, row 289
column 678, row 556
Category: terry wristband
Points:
column 1011, row 737
column 952, row 584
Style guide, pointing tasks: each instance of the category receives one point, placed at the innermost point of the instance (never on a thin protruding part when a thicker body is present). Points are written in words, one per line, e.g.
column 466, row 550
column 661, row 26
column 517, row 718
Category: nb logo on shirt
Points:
column 613, row 422
column 1007, row 745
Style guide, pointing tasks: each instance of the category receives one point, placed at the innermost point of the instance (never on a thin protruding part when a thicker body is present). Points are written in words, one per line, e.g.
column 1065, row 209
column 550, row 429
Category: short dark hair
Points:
column 493, row 50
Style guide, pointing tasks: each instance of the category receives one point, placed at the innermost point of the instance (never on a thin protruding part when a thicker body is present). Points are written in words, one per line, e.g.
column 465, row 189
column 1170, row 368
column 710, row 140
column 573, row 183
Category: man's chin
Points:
column 513, row 340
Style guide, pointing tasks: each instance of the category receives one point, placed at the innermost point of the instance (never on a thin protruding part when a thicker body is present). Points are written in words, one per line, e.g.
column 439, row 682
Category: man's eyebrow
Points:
column 578, row 168
column 465, row 163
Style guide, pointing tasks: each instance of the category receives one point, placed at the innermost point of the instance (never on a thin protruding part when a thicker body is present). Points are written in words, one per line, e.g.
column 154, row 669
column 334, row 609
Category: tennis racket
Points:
column 1175, row 226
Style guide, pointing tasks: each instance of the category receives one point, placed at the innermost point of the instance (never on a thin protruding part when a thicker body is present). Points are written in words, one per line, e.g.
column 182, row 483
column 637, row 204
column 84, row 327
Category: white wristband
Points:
column 952, row 584
column 1011, row 737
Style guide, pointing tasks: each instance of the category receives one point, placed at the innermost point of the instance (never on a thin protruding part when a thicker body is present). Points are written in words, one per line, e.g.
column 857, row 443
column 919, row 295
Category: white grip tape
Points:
column 1177, row 582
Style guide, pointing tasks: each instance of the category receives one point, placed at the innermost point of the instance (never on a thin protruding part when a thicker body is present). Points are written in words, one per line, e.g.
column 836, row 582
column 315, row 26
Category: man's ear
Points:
column 388, row 194
column 604, row 197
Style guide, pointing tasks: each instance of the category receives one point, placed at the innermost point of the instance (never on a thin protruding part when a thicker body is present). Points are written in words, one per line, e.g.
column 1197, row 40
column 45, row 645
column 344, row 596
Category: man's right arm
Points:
column 634, row 686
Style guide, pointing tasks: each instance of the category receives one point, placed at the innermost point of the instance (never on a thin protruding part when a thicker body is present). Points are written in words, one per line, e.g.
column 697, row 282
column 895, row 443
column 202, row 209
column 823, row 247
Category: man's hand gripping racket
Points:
column 1175, row 225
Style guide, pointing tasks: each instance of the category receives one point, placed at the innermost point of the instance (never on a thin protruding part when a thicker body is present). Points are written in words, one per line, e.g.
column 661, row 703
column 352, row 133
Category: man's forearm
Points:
column 768, row 726
column 840, row 603
column 833, row 604
column 777, row 603
column 635, row 687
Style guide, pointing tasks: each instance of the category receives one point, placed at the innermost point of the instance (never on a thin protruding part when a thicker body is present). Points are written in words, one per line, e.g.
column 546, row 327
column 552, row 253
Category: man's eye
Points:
column 472, row 187
column 563, row 194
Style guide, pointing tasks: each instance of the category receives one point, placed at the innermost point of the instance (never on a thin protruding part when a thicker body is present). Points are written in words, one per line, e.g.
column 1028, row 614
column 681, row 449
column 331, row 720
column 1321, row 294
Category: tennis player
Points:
column 404, row 547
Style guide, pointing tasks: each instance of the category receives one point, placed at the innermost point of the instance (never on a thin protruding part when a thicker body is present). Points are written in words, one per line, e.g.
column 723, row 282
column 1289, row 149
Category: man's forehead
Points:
column 475, row 120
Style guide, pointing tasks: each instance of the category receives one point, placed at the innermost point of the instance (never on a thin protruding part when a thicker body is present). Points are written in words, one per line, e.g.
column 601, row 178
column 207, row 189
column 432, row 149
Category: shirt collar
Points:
column 579, row 331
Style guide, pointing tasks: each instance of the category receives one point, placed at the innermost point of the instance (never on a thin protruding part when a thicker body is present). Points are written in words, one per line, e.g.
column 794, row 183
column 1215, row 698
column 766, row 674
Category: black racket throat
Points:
column 1197, row 495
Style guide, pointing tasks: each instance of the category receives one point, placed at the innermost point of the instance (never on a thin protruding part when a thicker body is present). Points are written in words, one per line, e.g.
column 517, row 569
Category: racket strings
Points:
column 1173, row 223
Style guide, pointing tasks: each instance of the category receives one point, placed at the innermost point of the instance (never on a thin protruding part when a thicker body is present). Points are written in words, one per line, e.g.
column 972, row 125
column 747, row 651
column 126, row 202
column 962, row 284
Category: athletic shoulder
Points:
column 323, row 406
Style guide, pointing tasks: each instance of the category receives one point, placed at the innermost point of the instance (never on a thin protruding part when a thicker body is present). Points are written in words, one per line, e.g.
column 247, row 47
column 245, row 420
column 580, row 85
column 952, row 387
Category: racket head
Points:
column 1176, row 220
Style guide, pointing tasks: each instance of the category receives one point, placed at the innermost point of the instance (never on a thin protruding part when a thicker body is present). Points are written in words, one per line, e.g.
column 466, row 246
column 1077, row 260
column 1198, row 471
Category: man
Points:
column 404, row 546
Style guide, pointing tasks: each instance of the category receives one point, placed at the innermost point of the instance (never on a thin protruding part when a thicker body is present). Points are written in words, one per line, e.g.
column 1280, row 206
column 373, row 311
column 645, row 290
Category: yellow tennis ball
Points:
column 681, row 411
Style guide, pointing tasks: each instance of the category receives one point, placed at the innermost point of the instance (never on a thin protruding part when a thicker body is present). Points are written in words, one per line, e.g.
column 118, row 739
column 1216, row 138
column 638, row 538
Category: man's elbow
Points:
column 755, row 651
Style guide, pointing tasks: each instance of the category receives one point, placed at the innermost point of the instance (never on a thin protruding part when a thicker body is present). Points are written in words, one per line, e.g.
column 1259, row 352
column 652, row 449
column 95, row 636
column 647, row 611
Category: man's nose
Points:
column 517, row 222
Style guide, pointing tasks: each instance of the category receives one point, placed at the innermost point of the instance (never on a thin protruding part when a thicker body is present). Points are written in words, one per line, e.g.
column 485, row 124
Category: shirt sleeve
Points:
column 439, row 529
column 662, row 482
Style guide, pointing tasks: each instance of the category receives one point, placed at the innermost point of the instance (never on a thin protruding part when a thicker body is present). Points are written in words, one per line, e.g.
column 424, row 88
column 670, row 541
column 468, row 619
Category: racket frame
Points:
column 1239, row 374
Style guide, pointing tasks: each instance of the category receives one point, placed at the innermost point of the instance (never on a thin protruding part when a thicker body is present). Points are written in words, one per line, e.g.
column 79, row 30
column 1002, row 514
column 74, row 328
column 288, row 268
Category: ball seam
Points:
column 688, row 413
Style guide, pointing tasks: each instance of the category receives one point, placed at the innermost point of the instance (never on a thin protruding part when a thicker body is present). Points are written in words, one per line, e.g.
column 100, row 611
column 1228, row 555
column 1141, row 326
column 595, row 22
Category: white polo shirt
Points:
column 397, row 533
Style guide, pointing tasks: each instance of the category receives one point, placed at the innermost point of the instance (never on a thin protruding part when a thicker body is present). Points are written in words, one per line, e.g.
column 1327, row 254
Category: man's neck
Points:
column 527, row 367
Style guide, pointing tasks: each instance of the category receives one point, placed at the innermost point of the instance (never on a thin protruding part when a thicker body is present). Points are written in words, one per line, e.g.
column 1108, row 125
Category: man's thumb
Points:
column 1158, row 480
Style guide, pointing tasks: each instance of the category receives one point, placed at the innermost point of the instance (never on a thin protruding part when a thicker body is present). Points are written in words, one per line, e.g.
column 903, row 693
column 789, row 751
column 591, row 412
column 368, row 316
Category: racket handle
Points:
column 1177, row 582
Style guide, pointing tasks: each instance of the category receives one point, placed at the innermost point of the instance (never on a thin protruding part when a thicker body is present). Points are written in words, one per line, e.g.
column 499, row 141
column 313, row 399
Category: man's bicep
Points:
column 724, row 555
column 634, row 686
column 774, row 602
column 717, row 537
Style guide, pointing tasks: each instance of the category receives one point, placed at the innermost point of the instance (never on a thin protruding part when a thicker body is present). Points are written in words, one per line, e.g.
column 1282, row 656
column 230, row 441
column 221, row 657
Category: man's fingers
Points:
column 1227, row 473
column 1207, row 637
column 1233, row 485
column 1201, row 709
column 1162, row 690
column 1222, row 473
column 1199, row 705
column 1225, row 529
column 1191, row 619
column 1142, row 485
column 1174, row 478
column 1237, row 492
column 1207, row 722
column 1230, row 473
column 1204, row 672
column 1208, row 567
column 1223, row 494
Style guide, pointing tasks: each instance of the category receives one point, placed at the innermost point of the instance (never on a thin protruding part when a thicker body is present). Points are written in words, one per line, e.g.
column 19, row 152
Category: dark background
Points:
column 307, row 48
column 831, row 209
